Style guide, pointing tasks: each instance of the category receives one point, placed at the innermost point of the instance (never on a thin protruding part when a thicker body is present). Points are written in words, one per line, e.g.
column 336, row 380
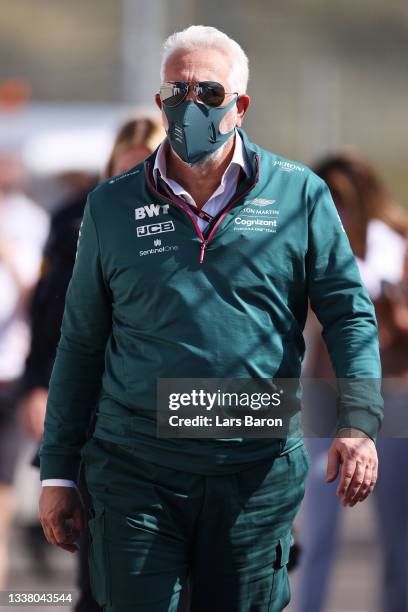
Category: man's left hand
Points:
column 357, row 455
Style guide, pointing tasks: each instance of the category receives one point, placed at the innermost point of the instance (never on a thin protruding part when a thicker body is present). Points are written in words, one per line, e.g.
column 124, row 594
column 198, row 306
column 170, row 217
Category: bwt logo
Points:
column 155, row 228
column 151, row 210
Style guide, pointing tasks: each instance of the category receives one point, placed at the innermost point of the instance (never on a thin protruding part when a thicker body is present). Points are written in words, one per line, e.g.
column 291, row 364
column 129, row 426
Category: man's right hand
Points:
column 62, row 516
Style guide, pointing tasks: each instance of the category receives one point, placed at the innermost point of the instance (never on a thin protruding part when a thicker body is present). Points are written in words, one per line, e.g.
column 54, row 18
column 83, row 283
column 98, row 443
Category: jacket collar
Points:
column 249, row 151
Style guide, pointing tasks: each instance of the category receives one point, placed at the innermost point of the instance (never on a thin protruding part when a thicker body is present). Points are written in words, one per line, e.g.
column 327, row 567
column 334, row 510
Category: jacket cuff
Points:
column 359, row 418
column 64, row 467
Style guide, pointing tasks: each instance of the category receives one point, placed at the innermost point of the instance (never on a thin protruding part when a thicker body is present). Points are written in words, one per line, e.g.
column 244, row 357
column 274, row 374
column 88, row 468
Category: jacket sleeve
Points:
column 77, row 373
column 343, row 307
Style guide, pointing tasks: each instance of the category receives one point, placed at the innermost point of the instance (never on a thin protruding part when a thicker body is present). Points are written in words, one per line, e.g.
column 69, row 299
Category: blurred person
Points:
column 46, row 309
column 47, row 302
column 23, row 230
column 136, row 139
column 377, row 228
column 207, row 299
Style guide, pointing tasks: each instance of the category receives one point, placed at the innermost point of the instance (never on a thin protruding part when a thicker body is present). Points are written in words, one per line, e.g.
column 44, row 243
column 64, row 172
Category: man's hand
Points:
column 62, row 516
column 358, row 456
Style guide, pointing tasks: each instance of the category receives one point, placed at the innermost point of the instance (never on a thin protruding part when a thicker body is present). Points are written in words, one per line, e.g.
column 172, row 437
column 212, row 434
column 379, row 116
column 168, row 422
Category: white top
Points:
column 384, row 260
column 217, row 201
column 23, row 231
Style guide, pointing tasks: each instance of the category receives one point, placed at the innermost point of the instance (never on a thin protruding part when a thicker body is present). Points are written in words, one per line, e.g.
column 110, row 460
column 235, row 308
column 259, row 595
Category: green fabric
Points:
column 194, row 129
column 140, row 306
column 154, row 525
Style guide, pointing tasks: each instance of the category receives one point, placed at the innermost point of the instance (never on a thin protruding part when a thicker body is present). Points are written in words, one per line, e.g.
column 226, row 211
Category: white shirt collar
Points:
column 239, row 159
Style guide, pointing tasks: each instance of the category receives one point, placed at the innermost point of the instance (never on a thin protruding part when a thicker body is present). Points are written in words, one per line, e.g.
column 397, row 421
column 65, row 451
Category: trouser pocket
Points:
column 98, row 559
column 280, row 595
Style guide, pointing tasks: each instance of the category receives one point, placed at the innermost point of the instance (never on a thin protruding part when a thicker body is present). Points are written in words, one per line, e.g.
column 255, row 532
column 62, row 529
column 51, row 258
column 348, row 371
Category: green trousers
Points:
column 153, row 527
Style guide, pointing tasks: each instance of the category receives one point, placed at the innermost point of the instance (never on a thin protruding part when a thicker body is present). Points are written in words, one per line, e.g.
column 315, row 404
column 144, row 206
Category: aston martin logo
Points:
column 260, row 202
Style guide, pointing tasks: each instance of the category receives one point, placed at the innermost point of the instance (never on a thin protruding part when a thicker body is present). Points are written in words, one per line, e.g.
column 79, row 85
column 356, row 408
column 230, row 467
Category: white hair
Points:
column 203, row 37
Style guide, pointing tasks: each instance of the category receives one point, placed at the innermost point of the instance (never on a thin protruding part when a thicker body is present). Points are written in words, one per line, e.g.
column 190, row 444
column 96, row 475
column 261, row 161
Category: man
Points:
column 175, row 278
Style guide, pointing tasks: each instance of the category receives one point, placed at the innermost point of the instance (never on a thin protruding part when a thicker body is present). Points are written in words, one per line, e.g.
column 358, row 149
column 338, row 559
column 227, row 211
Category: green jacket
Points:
column 152, row 297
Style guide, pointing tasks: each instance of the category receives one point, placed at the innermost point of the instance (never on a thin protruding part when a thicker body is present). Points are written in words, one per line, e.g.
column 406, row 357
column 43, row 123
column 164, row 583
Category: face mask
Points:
column 194, row 129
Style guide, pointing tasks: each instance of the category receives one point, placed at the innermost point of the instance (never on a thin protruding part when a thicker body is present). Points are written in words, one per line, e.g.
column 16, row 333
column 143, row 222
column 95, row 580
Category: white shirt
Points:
column 384, row 259
column 224, row 191
column 23, row 230
column 214, row 205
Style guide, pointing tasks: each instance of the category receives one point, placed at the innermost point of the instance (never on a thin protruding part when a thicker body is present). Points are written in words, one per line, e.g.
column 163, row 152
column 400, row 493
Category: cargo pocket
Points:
column 98, row 559
column 280, row 593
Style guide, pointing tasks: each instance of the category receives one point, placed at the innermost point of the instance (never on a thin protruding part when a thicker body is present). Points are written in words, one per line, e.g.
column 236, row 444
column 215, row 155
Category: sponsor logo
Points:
column 260, row 202
column 258, row 207
column 122, row 176
column 270, row 212
column 155, row 228
column 168, row 248
column 150, row 211
column 157, row 242
column 256, row 224
column 288, row 166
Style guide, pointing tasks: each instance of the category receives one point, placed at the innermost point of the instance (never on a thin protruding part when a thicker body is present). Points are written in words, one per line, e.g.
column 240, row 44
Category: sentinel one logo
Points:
column 155, row 228
column 158, row 248
column 150, row 211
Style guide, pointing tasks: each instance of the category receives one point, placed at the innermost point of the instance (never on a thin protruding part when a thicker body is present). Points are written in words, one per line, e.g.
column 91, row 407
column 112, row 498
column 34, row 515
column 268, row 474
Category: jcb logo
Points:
column 155, row 228
column 151, row 210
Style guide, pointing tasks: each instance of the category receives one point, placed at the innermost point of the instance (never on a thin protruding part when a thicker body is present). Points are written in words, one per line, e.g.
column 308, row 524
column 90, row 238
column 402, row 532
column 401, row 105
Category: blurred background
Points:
column 324, row 77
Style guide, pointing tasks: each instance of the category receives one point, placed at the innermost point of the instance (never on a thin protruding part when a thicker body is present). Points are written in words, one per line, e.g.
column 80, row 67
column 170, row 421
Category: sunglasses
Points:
column 211, row 93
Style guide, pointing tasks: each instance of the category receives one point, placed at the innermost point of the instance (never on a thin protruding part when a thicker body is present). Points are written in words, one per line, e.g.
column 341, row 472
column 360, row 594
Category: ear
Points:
column 158, row 101
column 243, row 103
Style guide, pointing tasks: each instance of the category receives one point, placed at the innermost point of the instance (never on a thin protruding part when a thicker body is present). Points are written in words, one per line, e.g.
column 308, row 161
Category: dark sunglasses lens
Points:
column 212, row 94
column 172, row 94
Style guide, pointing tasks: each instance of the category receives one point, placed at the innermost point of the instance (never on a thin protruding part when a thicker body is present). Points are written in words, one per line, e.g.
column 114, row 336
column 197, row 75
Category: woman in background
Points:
column 377, row 229
column 136, row 140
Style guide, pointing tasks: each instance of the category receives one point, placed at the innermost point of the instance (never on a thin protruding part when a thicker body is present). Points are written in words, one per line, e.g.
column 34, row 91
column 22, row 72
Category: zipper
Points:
column 186, row 210
column 232, row 204
column 202, row 251
column 204, row 241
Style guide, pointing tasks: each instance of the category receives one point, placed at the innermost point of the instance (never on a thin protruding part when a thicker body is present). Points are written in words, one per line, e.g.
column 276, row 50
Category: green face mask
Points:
column 194, row 129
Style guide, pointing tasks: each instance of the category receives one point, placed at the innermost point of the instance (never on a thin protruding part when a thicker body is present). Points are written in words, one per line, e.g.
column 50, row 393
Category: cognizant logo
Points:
column 252, row 222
